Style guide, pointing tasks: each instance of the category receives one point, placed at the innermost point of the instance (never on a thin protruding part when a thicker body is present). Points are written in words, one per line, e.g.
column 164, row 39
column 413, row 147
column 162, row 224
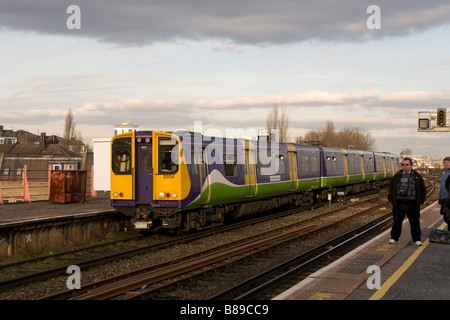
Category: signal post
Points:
column 433, row 121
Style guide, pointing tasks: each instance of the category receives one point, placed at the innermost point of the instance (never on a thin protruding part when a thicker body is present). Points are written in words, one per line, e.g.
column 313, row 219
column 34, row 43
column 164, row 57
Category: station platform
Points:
column 406, row 271
column 28, row 212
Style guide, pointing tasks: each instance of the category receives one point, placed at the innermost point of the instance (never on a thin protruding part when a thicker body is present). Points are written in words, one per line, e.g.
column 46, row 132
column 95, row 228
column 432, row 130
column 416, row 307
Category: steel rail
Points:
column 123, row 286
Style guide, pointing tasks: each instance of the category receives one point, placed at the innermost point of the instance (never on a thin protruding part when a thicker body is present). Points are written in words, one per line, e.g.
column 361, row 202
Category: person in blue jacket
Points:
column 443, row 191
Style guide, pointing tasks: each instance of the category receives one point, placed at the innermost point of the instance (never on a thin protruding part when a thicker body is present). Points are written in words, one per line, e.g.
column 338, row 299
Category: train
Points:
column 188, row 181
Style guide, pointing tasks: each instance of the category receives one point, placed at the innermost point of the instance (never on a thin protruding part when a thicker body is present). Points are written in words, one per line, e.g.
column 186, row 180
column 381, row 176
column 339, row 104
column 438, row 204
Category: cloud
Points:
column 444, row 62
column 228, row 47
column 135, row 23
column 370, row 108
column 386, row 116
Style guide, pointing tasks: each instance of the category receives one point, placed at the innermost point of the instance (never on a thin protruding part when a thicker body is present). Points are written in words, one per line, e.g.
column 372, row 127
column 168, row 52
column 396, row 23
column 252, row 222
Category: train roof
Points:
column 263, row 143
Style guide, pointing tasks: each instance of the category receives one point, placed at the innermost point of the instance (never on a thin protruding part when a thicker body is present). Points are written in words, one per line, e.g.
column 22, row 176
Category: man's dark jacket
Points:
column 420, row 188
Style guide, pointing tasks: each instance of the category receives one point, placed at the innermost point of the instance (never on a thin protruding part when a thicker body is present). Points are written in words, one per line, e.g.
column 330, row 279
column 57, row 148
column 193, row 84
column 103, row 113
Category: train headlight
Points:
column 115, row 194
column 174, row 195
column 161, row 195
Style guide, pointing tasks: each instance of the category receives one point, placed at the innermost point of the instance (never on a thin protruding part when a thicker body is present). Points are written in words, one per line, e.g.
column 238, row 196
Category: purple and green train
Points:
column 185, row 181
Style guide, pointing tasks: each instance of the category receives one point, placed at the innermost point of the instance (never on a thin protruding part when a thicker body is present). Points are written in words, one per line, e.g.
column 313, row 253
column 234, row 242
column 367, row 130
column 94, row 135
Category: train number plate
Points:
column 141, row 225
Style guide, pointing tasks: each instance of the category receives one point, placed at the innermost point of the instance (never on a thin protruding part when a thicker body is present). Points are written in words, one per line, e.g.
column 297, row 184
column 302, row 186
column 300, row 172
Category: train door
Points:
column 345, row 155
column 144, row 170
column 250, row 173
column 361, row 157
column 293, row 176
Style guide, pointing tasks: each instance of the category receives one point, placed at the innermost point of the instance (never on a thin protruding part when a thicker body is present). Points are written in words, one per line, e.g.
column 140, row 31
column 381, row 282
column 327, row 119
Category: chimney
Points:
column 1, row 131
column 42, row 142
column 53, row 139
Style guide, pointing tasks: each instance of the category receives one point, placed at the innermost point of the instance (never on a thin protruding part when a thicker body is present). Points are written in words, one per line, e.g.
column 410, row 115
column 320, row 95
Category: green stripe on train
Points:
column 221, row 193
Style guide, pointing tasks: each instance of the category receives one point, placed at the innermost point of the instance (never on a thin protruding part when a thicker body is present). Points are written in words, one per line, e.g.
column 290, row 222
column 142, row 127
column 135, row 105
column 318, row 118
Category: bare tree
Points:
column 313, row 135
column 277, row 119
column 69, row 128
column 355, row 138
column 329, row 134
column 361, row 139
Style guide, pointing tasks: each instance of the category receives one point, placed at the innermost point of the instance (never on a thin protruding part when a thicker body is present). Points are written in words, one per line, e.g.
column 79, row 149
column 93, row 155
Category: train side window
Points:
column 305, row 164
column 167, row 156
column 331, row 165
column 387, row 164
column 230, row 166
column 369, row 165
column 121, row 161
column 379, row 162
column 315, row 167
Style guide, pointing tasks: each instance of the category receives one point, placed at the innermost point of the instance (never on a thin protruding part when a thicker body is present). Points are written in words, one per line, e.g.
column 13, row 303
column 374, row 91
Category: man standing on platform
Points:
column 443, row 192
column 406, row 193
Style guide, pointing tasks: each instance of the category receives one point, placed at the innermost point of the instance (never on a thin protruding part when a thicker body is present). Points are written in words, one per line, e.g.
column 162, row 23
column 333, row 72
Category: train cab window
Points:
column 121, row 162
column 121, row 156
column 230, row 165
column 168, row 156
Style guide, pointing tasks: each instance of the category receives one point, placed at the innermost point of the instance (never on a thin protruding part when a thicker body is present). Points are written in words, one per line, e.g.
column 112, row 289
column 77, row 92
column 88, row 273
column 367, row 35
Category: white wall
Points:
column 102, row 164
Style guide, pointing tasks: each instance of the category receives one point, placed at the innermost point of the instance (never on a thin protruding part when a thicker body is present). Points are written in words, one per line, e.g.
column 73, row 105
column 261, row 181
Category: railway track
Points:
column 186, row 269
column 139, row 280
column 50, row 270
column 270, row 283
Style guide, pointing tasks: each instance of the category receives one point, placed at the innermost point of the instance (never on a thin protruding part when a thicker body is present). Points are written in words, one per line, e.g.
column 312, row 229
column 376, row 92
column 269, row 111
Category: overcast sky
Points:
column 164, row 64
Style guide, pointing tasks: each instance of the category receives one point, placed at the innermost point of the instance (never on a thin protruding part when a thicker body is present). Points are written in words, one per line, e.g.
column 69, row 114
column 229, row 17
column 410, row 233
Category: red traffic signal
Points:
column 441, row 118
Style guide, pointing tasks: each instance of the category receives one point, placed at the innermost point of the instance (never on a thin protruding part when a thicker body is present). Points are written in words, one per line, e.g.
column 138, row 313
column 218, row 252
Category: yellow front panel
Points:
column 122, row 185
column 167, row 185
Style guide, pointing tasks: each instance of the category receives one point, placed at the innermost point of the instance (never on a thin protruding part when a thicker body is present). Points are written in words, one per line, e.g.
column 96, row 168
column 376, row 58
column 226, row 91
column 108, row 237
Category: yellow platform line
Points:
column 397, row 274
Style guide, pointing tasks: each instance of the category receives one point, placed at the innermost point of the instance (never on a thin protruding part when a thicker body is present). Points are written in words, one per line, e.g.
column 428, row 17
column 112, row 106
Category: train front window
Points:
column 122, row 161
column 121, row 156
column 168, row 156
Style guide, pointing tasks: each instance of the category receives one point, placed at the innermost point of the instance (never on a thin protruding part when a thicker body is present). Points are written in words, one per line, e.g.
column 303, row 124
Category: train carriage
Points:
column 188, row 181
